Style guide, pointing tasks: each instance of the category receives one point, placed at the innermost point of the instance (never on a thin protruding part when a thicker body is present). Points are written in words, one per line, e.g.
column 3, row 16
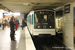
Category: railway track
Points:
column 48, row 45
column 53, row 46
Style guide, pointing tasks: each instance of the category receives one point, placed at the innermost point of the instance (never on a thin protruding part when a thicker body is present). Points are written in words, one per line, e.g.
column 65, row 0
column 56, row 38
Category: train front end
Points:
column 44, row 22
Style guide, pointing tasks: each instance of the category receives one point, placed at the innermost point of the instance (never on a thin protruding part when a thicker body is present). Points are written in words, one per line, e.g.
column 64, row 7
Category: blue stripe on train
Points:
column 30, row 20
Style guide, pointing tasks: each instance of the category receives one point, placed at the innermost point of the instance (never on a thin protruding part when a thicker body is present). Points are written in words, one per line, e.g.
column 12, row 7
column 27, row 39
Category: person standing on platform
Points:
column 15, row 24
column 12, row 29
column 3, row 23
column 22, row 23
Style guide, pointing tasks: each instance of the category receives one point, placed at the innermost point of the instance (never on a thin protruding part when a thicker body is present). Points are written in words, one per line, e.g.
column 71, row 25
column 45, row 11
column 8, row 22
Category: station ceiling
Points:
column 24, row 6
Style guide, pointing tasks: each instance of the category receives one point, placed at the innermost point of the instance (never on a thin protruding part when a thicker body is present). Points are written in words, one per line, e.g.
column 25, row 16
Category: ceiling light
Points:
column 1, row 10
column 16, row 14
column 58, row 8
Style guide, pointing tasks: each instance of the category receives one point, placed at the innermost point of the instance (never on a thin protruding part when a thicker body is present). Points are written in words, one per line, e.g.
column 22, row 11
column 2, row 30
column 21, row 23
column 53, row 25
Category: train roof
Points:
column 43, row 9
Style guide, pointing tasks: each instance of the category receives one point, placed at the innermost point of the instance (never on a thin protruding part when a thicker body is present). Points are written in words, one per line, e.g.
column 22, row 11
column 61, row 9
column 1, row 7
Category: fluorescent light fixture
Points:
column 58, row 7
column 16, row 14
column 1, row 10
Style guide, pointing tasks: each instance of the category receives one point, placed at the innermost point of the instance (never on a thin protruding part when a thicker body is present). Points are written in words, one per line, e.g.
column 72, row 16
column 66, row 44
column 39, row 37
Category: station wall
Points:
column 68, row 35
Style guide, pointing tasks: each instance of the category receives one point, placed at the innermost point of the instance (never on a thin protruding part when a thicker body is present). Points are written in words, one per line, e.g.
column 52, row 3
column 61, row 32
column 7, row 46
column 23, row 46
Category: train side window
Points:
column 29, row 19
column 36, row 19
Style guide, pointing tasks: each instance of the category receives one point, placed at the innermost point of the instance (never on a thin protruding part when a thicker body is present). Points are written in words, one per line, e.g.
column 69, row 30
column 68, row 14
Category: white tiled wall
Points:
column 68, row 29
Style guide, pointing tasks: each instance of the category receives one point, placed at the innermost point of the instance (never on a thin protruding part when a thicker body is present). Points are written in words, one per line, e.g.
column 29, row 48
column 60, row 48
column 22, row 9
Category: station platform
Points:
column 23, row 40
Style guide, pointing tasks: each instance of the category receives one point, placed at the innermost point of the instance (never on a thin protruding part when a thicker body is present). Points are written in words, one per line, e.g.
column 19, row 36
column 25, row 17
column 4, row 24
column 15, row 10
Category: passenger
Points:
column 25, row 23
column 15, row 24
column 0, row 24
column 22, row 23
column 12, row 29
column 3, row 23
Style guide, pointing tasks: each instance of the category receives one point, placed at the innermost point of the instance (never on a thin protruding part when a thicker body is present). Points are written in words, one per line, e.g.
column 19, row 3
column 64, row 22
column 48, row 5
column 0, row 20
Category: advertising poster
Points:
column 45, row 17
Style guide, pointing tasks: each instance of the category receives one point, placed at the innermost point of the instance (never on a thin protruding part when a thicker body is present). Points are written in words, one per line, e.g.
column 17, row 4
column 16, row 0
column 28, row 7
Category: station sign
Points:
column 67, row 9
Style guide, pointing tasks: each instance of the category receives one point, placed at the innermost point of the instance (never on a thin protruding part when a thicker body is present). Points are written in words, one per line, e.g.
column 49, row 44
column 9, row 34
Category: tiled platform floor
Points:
column 5, row 42
column 23, row 40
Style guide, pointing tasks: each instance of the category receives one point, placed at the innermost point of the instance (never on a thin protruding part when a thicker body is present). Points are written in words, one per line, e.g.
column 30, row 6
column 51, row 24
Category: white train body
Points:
column 39, row 22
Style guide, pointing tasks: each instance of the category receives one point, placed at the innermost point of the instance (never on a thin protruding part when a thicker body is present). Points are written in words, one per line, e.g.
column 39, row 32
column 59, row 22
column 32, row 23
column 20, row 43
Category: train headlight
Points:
column 50, row 26
column 38, row 26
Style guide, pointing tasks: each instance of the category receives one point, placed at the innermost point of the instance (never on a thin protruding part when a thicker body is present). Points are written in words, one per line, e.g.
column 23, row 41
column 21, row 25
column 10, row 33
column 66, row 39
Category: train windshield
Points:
column 44, row 17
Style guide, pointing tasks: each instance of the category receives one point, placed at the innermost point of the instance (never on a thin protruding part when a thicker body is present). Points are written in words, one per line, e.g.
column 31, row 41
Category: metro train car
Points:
column 41, row 22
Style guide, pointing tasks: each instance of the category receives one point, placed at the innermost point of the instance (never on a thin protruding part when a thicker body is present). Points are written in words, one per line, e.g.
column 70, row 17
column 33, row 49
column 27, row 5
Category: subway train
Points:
column 41, row 22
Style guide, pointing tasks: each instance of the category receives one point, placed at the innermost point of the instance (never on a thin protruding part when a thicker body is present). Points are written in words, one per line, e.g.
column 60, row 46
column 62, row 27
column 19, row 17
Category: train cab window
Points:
column 44, row 18
column 36, row 19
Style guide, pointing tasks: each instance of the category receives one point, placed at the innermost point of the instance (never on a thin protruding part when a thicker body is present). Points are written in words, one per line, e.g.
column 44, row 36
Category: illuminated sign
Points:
column 7, row 14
